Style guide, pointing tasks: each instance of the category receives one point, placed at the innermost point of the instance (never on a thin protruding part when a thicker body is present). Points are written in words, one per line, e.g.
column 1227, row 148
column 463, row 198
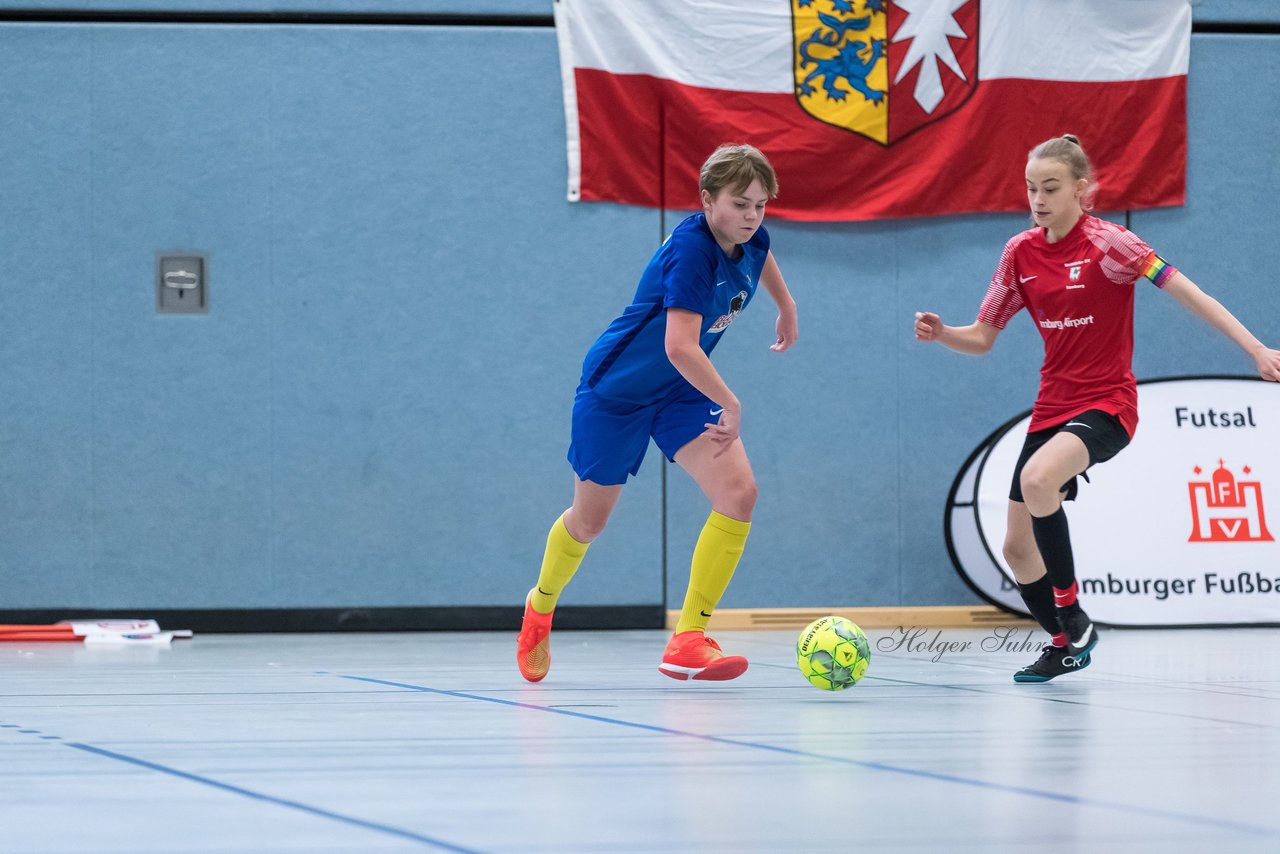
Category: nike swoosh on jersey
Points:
column 1022, row 280
column 717, row 411
column 718, row 284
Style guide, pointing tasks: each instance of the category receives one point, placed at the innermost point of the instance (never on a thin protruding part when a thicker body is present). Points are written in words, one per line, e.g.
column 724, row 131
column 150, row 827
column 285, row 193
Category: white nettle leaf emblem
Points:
column 928, row 25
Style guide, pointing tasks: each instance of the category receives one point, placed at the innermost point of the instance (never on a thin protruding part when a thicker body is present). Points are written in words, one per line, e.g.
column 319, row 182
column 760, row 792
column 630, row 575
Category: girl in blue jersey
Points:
column 650, row 375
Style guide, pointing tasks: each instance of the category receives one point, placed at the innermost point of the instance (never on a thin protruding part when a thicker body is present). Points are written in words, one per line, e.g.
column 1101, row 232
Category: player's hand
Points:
column 1268, row 362
column 788, row 328
column 726, row 429
column 928, row 325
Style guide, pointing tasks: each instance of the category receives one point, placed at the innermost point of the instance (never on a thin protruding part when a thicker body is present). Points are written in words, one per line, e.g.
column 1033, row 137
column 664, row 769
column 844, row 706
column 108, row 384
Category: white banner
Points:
column 1172, row 531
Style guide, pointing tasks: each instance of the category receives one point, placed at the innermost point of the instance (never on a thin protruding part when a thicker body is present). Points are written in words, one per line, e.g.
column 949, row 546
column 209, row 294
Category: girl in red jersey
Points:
column 1074, row 273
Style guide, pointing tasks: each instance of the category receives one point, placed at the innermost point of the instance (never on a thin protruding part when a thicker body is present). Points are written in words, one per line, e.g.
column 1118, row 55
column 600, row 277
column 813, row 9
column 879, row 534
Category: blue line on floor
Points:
column 258, row 796
column 1201, row 821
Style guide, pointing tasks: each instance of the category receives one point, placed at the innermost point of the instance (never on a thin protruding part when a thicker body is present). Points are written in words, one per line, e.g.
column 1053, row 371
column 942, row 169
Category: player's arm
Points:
column 1216, row 315
column 975, row 339
column 684, row 329
column 788, row 326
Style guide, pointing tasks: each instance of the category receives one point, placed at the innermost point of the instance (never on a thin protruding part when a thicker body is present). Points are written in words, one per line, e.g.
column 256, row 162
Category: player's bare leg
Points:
column 592, row 506
column 1057, row 461
column 1020, row 549
column 723, row 475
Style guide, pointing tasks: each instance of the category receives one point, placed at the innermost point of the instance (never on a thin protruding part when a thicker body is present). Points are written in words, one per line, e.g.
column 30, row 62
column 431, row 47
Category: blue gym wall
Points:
column 374, row 412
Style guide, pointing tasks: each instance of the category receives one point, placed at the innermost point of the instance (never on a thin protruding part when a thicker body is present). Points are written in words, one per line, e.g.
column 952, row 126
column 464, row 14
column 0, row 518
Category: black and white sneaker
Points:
column 1053, row 661
column 1082, row 637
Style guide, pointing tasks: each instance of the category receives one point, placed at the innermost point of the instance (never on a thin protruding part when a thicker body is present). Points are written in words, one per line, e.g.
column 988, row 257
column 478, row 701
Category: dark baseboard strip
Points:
column 404, row 19
column 349, row 19
column 1247, row 28
column 454, row 618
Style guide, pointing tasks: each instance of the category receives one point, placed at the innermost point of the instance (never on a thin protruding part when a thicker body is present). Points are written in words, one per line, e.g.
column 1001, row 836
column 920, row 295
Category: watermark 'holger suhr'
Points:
column 916, row 639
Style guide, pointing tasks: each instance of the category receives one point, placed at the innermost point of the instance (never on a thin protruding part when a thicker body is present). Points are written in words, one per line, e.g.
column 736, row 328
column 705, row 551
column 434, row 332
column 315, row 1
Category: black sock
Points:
column 1053, row 538
column 1039, row 598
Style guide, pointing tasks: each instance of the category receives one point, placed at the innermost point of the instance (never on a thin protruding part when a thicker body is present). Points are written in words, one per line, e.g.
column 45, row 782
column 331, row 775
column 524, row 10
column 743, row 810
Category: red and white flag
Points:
column 874, row 108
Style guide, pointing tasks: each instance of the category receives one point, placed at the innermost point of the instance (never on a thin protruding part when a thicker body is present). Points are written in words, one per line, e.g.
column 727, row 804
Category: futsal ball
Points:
column 833, row 653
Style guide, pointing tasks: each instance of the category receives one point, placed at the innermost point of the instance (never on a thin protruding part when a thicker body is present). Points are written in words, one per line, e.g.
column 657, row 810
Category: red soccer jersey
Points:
column 1079, row 291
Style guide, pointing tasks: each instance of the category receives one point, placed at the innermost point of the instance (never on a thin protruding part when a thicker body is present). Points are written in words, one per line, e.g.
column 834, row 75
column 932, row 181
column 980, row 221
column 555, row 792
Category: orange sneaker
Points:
column 693, row 655
column 533, row 646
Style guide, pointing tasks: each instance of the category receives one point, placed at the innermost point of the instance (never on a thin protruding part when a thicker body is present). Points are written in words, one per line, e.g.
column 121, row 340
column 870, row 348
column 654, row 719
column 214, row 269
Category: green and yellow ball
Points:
column 833, row 653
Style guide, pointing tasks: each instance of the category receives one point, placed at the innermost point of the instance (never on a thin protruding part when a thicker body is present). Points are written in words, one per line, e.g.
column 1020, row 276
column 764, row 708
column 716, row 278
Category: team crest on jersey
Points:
column 735, row 309
column 884, row 68
column 1074, row 269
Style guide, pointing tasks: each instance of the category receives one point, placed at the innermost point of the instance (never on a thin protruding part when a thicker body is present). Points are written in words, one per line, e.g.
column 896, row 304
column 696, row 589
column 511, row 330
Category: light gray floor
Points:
column 395, row 742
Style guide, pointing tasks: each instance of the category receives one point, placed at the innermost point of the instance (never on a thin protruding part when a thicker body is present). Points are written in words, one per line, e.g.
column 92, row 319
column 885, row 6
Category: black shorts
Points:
column 1102, row 433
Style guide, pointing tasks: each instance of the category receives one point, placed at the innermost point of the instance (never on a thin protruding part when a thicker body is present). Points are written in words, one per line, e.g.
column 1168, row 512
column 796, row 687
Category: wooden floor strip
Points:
column 868, row 618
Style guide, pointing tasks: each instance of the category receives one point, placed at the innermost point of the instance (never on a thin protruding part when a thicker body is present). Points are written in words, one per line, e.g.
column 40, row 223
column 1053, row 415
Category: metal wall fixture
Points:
column 182, row 284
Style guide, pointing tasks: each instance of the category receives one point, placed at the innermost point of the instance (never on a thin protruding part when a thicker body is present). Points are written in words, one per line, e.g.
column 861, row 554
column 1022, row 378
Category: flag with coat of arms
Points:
column 874, row 108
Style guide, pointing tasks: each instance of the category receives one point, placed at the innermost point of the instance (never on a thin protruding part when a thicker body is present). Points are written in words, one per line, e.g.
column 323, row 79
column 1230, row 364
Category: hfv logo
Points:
column 1225, row 510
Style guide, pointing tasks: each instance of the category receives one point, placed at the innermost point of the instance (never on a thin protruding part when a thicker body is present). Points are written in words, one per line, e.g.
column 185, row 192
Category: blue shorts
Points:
column 610, row 437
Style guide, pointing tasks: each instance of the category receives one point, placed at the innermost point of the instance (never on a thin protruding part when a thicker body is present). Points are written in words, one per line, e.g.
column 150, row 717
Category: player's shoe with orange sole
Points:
column 693, row 655
column 533, row 646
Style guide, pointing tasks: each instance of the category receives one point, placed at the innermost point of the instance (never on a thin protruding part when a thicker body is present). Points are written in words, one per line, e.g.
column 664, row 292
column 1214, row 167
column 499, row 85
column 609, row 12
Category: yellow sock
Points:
column 559, row 563
column 715, row 557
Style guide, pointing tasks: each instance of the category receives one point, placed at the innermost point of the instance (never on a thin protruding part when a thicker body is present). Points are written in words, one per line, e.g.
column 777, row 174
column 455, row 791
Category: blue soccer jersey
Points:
column 628, row 362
